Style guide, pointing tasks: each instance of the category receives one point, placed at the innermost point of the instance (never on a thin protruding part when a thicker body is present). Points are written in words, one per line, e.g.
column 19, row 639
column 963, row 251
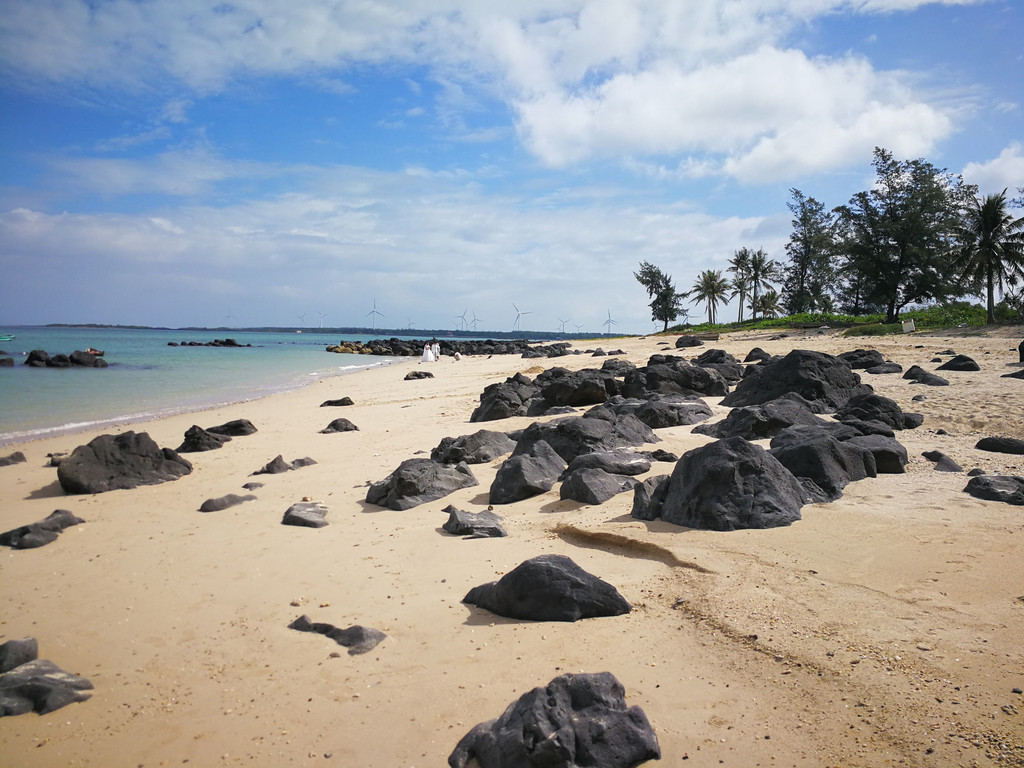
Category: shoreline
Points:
column 881, row 627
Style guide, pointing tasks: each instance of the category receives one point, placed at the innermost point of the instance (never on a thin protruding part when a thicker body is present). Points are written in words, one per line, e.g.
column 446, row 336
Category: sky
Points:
column 270, row 163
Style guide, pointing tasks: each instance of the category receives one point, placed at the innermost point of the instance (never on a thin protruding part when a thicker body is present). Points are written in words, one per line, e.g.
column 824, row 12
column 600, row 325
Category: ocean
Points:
column 146, row 378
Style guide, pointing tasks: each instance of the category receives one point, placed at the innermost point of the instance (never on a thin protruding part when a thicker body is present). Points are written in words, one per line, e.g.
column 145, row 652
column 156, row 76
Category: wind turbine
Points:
column 609, row 323
column 563, row 322
column 475, row 320
column 229, row 316
column 579, row 329
column 322, row 316
column 373, row 314
column 462, row 318
column 519, row 313
column 302, row 320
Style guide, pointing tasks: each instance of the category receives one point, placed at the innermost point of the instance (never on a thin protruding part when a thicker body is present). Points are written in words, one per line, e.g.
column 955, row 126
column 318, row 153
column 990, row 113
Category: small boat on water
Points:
column 6, row 337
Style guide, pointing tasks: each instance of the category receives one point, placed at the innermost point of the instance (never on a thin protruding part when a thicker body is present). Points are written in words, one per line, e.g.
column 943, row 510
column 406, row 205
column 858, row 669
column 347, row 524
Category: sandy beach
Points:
column 885, row 628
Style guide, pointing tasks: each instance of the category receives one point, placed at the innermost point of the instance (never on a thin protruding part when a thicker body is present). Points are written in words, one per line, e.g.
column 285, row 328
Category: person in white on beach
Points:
column 428, row 354
column 436, row 349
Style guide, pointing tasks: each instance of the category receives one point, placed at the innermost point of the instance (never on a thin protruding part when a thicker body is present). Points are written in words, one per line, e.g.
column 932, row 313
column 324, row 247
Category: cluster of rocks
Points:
column 31, row 684
column 39, row 358
column 198, row 439
column 395, row 347
column 214, row 343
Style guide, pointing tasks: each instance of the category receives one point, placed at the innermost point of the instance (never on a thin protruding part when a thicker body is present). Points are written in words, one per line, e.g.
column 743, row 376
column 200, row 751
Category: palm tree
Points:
column 767, row 304
column 763, row 272
column 711, row 288
column 739, row 265
column 990, row 248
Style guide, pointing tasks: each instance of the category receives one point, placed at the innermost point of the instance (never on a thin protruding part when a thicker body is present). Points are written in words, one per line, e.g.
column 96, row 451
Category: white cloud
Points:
column 1004, row 172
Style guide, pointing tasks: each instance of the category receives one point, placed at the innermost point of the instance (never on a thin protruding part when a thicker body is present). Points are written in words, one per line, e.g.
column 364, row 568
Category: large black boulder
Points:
column 86, row 359
column 417, row 481
column 40, row 533
column 559, row 386
column 235, row 428
column 731, row 484
column 688, row 341
column 872, row 407
column 1001, row 445
column 824, row 465
column 862, row 358
column 40, row 686
column 648, row 497
column 669, row 375
column 527, row 474
column 826, row 382
column 119, row 462
column 720, row 360
column 575, row 721
column 890, row 456
column 504, row 399
column 548, row 588
column 477, row 448
column 594, row 486
column 198, row 440
column 1005, row 488
column 959, row 363
column 660, row 411
column 754, row 422
column 620, row 462
column 599, row 430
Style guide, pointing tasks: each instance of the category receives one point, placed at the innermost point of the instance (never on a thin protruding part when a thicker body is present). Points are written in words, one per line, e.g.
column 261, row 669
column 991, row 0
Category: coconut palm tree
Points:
column 763, row 272
column 767, row 304
column 739, row 265
column 990, row 248
column 711, row 288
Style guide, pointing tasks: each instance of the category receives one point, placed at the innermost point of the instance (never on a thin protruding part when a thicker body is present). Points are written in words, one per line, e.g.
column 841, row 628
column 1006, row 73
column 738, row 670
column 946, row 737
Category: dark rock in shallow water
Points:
column 826, row 382
column 306, row 514
column 594, row 486
column 14, row 458
column 526, row 474
column 236, row 428
column 87, row 359
column 337, row 403
column 417, row 481
column 198, row 440
column 549, row 588
column 478, row 525
column 1001, row 445
column 224, row 502
column 478, row 448
column 40, row 686
column 278, row 465
column 919, row 375
column 732, row 484
column 356, row 638
column 14, row 653
column 960, row 363
column 1005, row 488
column 339, row 425
column 575, row 721
column 40, row 533
column 119, row 462
column 6, row 362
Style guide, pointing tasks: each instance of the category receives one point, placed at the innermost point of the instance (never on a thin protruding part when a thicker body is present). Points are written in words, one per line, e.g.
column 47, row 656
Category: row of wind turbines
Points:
column 463, row 323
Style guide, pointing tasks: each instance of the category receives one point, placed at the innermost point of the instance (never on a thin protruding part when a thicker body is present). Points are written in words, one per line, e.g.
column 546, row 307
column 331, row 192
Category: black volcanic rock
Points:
column 224, row 502
column 753, row 422
column 306, row 514
column 862, row 358
column 549, row 588
column 198, row 439
column 511, row 397
column 478, row 448
column 339, row 425
column 412, row 375
column 598, row 430
column 575, row 721
column 357, row 639
column 1006, row 488
column 594, row 486
column 474, row 525
column 688, row 341
column 890, row 456
column 620, row 462
column 872, row 407
column 919, row 375
column 119, row 462
column 14, row 653
column 1001, row 445
column 732, row 484
column 236, row 428
column 824, row 465
column 826, row 382
column 337, row 403
column 526, row 474
column 277, row 465
column 417, row 481
column 40, row 533
column 14, row 458
column 884, row 368
column 40, row 686
column 960, row 363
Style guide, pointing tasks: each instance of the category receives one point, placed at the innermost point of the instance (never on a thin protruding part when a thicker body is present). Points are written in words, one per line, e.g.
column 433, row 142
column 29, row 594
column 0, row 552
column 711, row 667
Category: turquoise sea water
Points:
column 147, row 378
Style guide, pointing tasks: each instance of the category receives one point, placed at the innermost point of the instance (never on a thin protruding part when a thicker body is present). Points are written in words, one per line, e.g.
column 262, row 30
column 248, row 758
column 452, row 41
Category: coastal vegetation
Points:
column 909, row 248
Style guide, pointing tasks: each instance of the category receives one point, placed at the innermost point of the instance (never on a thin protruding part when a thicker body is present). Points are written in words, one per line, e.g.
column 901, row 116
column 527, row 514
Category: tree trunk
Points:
column 991, row 318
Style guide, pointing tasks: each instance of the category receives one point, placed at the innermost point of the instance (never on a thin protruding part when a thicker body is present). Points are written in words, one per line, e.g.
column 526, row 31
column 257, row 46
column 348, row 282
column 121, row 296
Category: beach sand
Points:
column 885, row 628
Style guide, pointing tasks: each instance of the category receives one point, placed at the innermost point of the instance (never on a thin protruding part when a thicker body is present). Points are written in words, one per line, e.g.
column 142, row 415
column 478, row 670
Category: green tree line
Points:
column 919, row 235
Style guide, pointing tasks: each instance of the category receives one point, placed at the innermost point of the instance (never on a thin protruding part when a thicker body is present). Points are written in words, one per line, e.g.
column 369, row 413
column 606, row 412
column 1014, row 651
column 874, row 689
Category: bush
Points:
column 874, row 329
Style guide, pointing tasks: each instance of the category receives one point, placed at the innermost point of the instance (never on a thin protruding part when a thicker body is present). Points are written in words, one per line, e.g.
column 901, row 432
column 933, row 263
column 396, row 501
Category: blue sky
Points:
column 263, row 162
